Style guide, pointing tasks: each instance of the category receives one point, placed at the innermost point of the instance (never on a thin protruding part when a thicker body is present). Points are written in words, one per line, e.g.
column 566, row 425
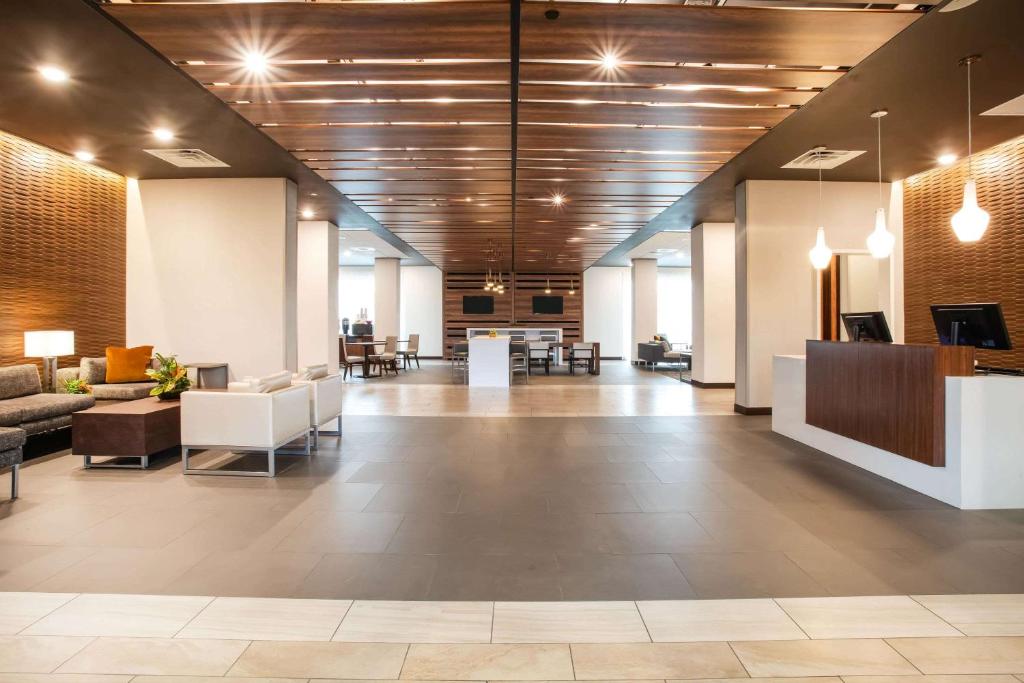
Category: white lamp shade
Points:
column 49, row 343
column 820, row 254
column 881, row 241
column 971, row 221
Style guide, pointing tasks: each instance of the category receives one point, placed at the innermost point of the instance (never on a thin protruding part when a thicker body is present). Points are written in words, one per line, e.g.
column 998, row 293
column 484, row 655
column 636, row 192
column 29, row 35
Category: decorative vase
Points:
column 492, row 333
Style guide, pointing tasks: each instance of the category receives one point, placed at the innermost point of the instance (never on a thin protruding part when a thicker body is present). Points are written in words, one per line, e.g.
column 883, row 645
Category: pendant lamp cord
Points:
column 879, row 119
column 970, row 141
column 820, row 213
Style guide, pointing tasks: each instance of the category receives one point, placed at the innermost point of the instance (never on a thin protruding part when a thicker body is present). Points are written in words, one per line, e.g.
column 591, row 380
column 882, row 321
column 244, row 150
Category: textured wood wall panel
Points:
column 514, row 308
column 940, row 269
column 62, row 250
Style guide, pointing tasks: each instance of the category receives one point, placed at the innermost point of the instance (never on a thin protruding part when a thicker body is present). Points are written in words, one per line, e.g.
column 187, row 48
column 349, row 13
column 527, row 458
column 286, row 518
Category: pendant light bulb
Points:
column 820, row 254
column 881, row 241
column 971, row 221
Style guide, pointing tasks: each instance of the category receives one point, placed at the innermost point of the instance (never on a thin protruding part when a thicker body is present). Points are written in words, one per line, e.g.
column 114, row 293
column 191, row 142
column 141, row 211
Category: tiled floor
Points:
column 895, row 639
column 513, row 508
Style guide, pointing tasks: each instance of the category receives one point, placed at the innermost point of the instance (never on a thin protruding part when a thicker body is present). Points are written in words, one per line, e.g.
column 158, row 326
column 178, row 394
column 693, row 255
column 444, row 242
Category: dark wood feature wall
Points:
column 514, row 308
column 62, row 250
column 891, row 396
column 939, row 269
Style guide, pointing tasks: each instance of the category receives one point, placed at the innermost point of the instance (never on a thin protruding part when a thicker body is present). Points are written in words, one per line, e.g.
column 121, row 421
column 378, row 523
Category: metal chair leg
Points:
column 14, row 480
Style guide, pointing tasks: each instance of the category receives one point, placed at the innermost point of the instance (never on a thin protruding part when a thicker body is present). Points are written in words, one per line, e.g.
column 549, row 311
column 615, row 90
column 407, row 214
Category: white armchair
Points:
column 243, row 421
column 324, row 404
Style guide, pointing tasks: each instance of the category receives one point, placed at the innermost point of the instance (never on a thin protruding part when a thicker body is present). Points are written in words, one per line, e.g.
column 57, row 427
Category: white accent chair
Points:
column 252, row 416
column 324, row 403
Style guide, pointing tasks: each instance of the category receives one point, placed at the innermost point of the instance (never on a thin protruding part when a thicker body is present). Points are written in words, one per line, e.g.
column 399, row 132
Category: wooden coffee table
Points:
column 133, row 429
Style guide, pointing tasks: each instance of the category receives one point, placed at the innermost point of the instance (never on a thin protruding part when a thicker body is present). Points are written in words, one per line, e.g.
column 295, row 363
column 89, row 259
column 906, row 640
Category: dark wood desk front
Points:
column 891, row 396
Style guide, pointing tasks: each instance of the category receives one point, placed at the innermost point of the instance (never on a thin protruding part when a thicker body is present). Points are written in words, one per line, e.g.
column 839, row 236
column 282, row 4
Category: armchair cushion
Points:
column 19, row 380
column 262, row 385
column 311, row 372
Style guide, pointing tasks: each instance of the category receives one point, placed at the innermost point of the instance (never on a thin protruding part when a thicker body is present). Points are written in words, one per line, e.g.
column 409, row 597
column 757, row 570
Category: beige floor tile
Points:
column 156, row 657
column 711, row 620
column 568, row 622
column 799, row 679
column 416, row 622
column 488, row 663
column 979, row 615
column 321, row 660
column 215, row 679
column 64, row 678
column 267, row 619
column 655, row 661
column 982, row 655
column 37, row 654
column 132, row 616
column 19, row 610
column 822, row 658
column 982, row 678
column 890, row 616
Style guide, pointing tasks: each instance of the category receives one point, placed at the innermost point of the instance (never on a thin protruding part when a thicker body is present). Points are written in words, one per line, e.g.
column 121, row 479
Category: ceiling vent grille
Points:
column 187, row 158
column 827, row 158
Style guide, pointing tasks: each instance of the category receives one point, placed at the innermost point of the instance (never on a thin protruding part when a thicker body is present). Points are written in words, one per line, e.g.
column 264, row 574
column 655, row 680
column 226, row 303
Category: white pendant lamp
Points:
column 820, row 254
column 971, row 221
column 881, row 241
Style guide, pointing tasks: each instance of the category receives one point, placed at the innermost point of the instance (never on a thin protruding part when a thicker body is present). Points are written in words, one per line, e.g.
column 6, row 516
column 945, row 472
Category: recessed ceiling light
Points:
column 947, row 159
column 163, row 134
column 313, row 194
column 609, row 61
column 83, row 155
column 557, row 199
column 308, row 213
column 256, row 62
column 53, row 74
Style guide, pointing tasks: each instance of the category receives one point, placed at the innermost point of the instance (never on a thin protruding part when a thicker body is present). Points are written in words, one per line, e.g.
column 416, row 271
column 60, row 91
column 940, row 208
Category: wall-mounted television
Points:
column 477, row 305
column 548, row 305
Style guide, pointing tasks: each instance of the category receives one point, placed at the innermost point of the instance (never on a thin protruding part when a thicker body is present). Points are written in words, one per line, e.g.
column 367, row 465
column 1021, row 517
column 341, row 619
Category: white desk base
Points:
column 488, row 361
column 984, row 439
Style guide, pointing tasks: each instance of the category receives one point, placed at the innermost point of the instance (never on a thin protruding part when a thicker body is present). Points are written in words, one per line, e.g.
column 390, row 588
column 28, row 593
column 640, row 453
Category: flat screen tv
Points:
column 477, row 305
column 550, row 305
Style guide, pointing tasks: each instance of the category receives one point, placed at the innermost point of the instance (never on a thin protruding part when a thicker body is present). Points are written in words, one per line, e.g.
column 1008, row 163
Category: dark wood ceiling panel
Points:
column 536, row 73
column 294, row 95
column 217, row 32
column 417, row 175
column 386, row 112
column 285, row 77
column 594, row 114
column 637, row 139
column 466, row 138
column 610, row 95
column 688, row 33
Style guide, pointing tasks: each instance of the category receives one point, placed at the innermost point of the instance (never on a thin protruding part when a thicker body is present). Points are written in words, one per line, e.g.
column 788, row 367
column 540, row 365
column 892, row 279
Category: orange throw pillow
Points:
column 128, row 365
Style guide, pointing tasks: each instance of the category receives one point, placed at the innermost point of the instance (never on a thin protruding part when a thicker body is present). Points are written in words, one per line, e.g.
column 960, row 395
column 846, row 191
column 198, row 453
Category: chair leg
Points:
column 417, row 357
column 14, row 481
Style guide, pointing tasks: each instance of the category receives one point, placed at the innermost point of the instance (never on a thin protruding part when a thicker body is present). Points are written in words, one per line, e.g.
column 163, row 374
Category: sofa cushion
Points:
column 11, row 438
column 49, row 424
column 128, row 391
column 11, row 457
column 19, row 380
column 93, row 370
column 127, row 365
column 10, row 415
column 42, row 406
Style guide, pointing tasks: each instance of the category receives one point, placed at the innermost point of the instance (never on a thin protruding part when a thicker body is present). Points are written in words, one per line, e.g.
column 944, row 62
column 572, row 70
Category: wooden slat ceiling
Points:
column 406, row 108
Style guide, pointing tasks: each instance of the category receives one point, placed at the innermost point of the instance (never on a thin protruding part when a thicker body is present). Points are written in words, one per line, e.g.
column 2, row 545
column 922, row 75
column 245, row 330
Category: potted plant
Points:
column 172, row 378
column 76, row 386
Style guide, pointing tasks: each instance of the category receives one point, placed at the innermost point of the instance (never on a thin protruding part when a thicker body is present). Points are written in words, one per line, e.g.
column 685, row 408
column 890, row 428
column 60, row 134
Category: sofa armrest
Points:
column 64, row 374
column 290, row 412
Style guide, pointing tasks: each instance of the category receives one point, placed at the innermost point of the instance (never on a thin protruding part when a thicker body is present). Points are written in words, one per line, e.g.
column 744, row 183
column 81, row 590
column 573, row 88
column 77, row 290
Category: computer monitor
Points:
column 869, row 326
column 979, row 325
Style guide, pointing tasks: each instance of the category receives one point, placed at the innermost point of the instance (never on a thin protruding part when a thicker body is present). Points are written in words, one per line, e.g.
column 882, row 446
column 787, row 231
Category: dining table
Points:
column 368, row 348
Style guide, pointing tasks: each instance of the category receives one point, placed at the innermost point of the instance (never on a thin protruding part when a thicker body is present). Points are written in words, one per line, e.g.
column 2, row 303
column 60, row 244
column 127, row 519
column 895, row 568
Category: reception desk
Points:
column 912, row 414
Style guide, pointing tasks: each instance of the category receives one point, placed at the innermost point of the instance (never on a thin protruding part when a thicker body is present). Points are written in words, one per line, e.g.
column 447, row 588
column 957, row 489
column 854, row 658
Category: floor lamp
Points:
column 48, row 345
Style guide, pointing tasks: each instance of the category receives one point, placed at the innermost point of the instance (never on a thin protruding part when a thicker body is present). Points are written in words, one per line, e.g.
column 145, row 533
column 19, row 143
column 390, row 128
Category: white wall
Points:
column 421, row 307
column 777, row 297
column 645, row 302
column 387, row 297
column 211, row 271
column 317, row 294
column 713, row 256
column 607, row 309
column 675, row 305
column 355, row 291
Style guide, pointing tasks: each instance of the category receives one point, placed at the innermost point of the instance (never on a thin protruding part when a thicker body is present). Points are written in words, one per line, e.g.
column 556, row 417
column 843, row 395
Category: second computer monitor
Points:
column 869, row 326
column 980, row 325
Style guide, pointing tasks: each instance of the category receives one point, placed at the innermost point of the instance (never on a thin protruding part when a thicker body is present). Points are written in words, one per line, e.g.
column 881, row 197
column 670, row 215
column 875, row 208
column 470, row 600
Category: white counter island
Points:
column 984, row 439
column 489, row 361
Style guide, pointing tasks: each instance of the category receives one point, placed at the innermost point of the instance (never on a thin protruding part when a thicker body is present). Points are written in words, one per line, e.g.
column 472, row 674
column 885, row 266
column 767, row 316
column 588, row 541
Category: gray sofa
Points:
column 24, row 405
column 11, row 442
column 94, row 372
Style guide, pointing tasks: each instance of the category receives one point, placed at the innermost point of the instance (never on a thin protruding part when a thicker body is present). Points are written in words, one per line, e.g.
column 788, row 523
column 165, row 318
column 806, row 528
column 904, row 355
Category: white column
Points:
column 387, row 297
column 645, row 302
column 713, row 262
column 317, row 294
column 422, row 294
column 777, row 289
column 211, row 271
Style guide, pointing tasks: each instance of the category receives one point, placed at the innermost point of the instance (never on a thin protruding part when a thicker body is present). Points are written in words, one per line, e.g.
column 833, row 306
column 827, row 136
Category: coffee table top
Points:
column 142, row 406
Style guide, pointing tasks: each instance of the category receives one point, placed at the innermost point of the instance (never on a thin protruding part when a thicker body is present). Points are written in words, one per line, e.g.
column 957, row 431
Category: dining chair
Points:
column 581, row 353
column 539, row 352
column 460, row 360
column 347, row 360
column 389, row 357
column 518, row 360
column 412, row 350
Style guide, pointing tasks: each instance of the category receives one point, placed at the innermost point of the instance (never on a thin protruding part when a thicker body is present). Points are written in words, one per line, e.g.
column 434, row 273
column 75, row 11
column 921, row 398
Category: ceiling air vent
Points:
column 827, row 158
column 187, row 158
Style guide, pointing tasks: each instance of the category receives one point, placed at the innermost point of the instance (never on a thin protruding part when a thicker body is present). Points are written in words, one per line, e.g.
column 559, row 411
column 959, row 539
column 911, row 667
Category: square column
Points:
column 713, row 263
column 645, row 302
column 387, row 297
column 317, row 294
